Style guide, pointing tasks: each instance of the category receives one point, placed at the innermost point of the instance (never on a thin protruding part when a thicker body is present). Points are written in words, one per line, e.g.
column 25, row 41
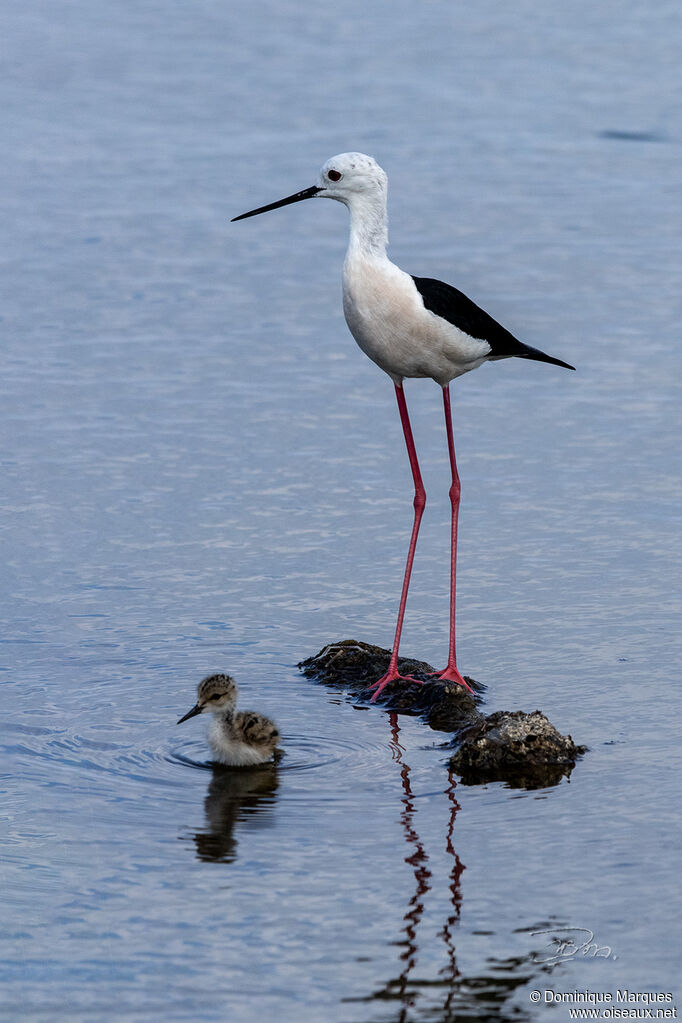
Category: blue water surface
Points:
column 202, row 472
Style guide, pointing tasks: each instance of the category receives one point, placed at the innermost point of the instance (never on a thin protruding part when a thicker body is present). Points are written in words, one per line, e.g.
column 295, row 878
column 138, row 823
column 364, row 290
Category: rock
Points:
column 355, row 665
column 525, row 750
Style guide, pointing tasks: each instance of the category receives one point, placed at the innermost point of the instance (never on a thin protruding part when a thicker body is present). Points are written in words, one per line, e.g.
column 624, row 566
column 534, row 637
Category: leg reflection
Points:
column 417, row 859
column 451, row 971
column 450, row 996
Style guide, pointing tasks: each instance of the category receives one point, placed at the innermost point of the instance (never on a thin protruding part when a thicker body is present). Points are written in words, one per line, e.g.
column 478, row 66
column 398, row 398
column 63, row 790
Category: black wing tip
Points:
column 454, row 306
column 537, row 356
column 564, row 365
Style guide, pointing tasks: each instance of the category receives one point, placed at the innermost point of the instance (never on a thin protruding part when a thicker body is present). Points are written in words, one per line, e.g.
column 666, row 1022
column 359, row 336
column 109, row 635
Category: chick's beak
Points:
column 196, row 709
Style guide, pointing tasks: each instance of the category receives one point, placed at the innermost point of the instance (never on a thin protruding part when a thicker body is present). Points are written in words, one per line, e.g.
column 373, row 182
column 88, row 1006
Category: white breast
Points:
column 386, row 316
column 232, row 752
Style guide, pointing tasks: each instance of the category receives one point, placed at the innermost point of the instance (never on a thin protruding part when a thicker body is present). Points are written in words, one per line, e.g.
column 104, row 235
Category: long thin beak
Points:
column 307, row 193
column 196, row 709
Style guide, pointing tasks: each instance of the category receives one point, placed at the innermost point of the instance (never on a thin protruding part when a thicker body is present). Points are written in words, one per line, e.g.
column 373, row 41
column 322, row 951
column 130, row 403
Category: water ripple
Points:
column 299, row 753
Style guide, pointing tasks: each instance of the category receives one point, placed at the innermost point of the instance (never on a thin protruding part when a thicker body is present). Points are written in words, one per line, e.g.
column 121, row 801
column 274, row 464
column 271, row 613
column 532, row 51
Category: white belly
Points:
column 386, row 316
column 232, row 752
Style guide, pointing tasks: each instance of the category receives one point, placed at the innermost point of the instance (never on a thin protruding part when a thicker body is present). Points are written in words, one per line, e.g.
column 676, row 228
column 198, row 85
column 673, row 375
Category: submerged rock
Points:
column 524, row 750
column 355, row 666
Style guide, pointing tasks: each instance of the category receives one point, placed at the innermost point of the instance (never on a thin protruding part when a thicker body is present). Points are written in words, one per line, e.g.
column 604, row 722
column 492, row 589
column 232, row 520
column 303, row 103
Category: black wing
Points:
column 453, row 305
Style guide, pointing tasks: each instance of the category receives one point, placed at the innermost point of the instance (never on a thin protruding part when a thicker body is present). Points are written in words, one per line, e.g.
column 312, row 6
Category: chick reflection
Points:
column 243, row 797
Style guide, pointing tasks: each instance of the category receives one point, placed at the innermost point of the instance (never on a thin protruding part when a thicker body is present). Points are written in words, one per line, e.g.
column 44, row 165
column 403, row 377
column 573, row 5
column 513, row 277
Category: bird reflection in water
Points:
column 474, row 997
column 417, row 859
column 245, row 798
column 451, row 971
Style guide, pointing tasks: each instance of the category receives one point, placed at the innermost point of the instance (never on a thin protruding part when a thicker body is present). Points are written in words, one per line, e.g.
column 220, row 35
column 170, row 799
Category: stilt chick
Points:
column 238, row 738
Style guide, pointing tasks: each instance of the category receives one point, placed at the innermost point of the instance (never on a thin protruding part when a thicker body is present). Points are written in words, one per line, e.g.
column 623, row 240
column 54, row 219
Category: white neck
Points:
column 368, row 225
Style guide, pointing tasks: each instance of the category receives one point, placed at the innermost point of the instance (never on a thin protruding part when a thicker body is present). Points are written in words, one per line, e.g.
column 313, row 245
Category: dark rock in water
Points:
column 632, row 136
column 354, row 665
column 525, row 750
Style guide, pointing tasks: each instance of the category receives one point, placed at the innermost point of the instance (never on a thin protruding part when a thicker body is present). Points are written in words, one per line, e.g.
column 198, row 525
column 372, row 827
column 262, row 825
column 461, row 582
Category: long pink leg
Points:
column 419, row 502
column 450, row 673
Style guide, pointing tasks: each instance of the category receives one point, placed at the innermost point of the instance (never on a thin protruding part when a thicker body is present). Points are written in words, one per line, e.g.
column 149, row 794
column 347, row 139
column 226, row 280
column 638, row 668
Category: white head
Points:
column 351, row 178
column 348, row 175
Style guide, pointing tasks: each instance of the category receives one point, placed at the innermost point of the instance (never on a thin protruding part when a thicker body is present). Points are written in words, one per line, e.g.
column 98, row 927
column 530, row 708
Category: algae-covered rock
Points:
column 525, row 750
column 355, row 666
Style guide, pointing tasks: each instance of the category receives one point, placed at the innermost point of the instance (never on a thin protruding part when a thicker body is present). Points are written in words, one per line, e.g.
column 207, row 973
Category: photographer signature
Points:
column 581, row 943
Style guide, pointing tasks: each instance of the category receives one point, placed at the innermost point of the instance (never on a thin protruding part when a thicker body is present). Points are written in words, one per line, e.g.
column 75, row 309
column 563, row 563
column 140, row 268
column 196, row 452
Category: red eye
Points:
column 333, row 175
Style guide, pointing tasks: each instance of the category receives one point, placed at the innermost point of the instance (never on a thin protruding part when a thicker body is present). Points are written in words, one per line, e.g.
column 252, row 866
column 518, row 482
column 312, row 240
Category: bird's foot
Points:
column 450, row 674
column 392, row 676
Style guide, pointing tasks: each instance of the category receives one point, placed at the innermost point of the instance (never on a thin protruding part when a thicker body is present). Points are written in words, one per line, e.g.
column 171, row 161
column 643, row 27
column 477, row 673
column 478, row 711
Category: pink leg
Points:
column 419, row 502
column 450, row 673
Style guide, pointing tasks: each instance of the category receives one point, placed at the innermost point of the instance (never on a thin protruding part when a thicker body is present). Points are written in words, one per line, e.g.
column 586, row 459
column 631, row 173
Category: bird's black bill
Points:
column 196, row 709
column 307, row 193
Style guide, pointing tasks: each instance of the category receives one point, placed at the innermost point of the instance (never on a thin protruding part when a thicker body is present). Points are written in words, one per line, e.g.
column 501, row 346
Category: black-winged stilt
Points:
column 411, row 327
column 238, row 738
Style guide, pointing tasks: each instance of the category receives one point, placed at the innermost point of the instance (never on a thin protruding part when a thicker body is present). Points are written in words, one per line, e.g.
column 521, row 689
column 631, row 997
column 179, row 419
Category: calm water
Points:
column 202, row 472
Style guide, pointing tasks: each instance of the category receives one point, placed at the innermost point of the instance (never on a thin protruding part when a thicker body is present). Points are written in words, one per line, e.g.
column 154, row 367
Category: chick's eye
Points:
column 214, row 696
column 334, row 175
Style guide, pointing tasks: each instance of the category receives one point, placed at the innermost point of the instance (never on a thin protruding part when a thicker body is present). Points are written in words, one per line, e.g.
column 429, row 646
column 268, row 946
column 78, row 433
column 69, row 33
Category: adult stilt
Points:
column 410, row 327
